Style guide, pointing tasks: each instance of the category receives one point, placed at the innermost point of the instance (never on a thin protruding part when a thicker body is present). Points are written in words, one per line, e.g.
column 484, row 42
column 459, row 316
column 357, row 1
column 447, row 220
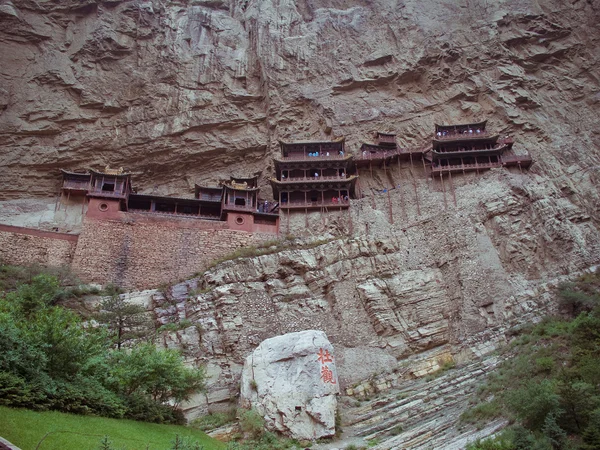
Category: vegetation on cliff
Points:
column 52, row 360
column 550, row 388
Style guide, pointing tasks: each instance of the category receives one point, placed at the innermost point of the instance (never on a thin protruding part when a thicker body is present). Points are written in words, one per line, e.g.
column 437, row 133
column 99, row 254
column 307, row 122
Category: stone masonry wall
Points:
column 141, row 251
column 23, row 246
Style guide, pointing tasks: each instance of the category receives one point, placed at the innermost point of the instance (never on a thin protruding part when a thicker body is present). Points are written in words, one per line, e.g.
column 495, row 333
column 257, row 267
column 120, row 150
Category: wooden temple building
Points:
column 235, row 201
column 313, row 175
column 386, row 151
column 470, row 147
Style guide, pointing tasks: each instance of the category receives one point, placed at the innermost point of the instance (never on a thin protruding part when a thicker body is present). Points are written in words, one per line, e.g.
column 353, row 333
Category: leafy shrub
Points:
column 252, row 423
column 50, row 360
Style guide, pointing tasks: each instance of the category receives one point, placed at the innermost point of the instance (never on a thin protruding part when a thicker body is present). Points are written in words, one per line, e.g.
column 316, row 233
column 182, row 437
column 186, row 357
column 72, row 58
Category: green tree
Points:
column 160, row 374
column 125, row 320
column 533, row 402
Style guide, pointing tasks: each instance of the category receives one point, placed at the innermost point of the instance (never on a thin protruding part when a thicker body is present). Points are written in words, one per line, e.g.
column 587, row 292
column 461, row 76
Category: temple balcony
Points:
column 523, row 161
column 107, row 194
column 303, row 157
column 175, row 214
column 378, row 155
column 241, row 208
column 318, row 179
column 473, row 134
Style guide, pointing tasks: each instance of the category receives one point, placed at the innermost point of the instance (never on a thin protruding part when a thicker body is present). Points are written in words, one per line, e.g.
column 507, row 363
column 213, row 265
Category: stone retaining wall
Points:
column 141, row 251
column 25, row 246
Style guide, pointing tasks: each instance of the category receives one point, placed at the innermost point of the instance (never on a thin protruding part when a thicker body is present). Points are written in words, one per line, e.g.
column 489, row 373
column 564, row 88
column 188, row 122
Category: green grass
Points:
column 25, row 429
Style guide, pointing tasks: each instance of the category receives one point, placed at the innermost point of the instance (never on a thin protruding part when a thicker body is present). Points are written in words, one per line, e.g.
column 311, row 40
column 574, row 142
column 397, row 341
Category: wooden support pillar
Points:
column 452, row 187
column 322, row 208
column 444, row 190
column 391, row 211
column 68, row 198
column 351, row 226
column 412, row 174
column 416, row 197
column 58, row 200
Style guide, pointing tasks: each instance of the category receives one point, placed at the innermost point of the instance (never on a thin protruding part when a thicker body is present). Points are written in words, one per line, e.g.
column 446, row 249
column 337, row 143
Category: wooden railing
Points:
column 506, row 160
column 319, row 178
column 475, row 166
column 178, row 214
column 466, row 135
column 375, row 156
column 470, row 150
column 114, row 194
column 321, row 157
column 240, row 207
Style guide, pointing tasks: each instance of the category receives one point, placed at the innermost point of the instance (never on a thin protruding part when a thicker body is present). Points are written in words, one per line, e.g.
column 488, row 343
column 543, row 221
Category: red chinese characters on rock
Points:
column 325, row 357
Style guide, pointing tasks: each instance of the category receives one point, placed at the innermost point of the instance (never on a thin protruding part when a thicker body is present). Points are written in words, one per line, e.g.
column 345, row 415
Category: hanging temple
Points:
column 309, row 175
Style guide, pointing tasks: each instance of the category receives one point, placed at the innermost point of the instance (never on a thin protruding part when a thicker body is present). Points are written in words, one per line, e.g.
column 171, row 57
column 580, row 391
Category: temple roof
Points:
column 480, row 125
column 80, row 174
column 208, row 188
column 105, row 174
column 383, row 133
column 239, row 186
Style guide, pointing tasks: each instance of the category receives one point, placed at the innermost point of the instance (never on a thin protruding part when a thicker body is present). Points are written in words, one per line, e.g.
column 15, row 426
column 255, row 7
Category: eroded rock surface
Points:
column 291, row 380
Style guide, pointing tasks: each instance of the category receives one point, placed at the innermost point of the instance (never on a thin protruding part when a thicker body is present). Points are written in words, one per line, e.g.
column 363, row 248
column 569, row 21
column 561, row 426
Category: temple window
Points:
column 240, row 201
column 108, row 187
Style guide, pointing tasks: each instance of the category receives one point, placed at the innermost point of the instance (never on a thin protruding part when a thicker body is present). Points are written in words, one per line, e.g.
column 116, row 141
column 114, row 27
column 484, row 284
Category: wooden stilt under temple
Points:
column 452, row 187
column 351, row 225
column 391, row 211
column 444, row 190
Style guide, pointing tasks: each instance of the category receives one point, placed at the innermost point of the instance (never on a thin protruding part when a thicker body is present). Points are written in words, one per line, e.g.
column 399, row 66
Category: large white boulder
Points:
column 291, row 380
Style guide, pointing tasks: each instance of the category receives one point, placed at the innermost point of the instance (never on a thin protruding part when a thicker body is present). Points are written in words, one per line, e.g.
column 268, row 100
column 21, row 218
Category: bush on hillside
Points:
column 551, row 386
column 50, row 360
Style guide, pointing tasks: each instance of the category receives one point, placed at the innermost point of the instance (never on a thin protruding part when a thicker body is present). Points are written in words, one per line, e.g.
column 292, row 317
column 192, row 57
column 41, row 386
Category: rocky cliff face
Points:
column 191, row 91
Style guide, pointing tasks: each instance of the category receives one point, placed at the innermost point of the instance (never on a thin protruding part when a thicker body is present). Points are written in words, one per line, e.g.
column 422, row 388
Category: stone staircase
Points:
column 421, row 414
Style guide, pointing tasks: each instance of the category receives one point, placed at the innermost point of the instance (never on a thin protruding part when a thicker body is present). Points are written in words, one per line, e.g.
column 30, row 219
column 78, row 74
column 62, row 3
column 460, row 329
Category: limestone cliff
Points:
column 192, row 90
column 189, row 90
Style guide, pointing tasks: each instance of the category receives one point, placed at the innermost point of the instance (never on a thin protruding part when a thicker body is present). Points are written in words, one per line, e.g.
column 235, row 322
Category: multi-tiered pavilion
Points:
column 313, row 175
column 470, row 147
